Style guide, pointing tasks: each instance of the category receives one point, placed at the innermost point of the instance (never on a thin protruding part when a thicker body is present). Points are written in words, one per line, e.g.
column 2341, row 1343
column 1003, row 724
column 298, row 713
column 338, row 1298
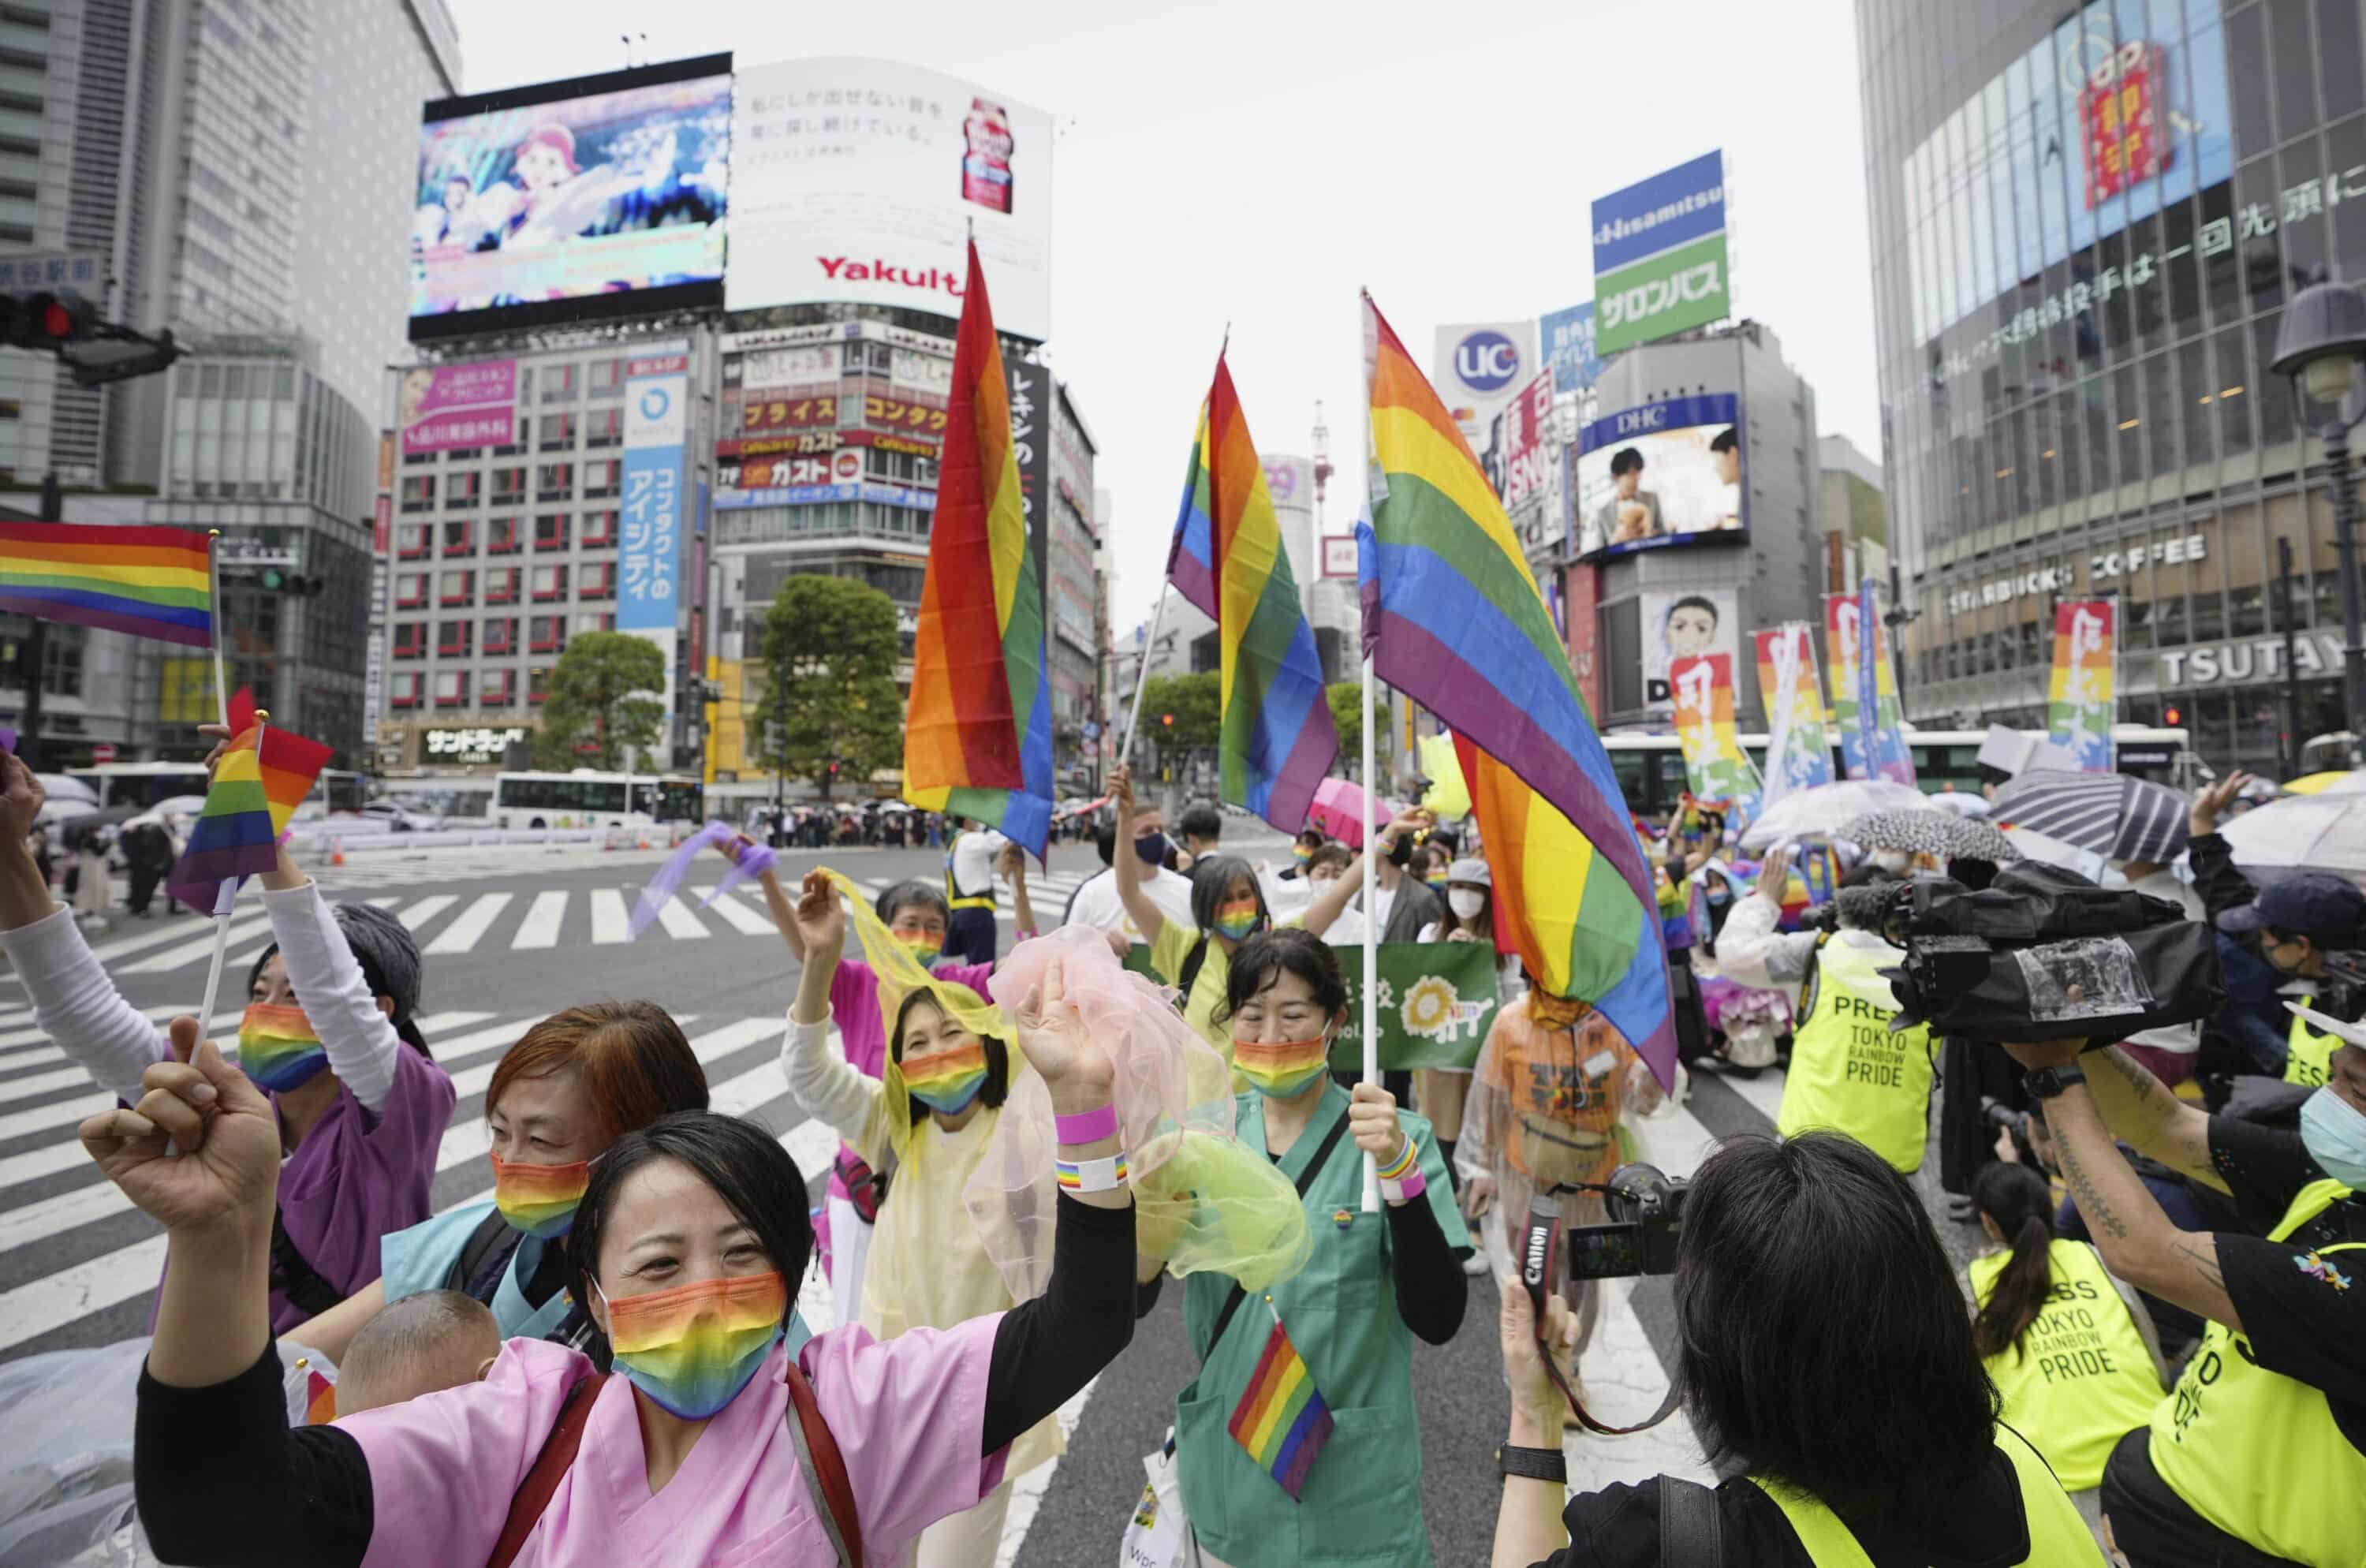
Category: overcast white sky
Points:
column 1256, row 163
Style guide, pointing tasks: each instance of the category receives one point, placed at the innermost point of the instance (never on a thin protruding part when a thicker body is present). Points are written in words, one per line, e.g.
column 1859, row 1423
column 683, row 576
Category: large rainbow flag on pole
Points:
column 1453, row 617
column 1277, row 740
column 977, row 731
column 154, row 582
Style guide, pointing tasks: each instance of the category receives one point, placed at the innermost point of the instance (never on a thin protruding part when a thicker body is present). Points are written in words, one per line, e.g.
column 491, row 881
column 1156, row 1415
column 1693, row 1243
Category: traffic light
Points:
column 2174, row 717
column 46, row 320
column 274, row 581
column 1168, row 720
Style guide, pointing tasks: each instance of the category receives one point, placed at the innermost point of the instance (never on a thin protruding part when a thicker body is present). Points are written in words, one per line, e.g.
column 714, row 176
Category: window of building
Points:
column 419, row 492
column 509, row 487
column 607, row 378
column 501, row 634
column 497, row 688
column 459, row 536
column 537, row 684
column 456, row 588
column 550, row 582
column 453, row 637
column 551, row 533
column 463, row 490
column 554, row 431
column 451, row 688
column 409, row 639
column 411, row 540
column 603, row 427
column 598, row 581
column 558, row 383
column 555, row 482
column 402, row 688
column 598, row 529
column 603, row 477
column 501, row 535
column 592, row 621
column 502, row 585
column 410, row 588
column 547, row 634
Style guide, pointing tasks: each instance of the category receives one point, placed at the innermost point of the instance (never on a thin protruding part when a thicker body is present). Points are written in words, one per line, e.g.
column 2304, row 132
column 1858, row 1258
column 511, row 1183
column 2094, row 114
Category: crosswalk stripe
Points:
column 242, row 929
column 540, row 927
column 609, row 924
column 54, row 1300
column 426, row 910
column 678, row 920
column 736, row 914
column 462, row 934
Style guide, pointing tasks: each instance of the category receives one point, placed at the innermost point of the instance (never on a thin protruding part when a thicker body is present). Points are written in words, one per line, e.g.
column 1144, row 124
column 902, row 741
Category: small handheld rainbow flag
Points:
column 1281, row 1419
column 290, row 763
column 319, row 1399
column 154, row 582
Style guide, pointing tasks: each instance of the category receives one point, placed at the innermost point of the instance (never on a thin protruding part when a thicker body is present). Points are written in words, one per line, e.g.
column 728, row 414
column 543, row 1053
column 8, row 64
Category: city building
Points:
column 1851, row 516
column 2085, row 226
column 242, row 175
column 1071, row 590
column 1694, row 501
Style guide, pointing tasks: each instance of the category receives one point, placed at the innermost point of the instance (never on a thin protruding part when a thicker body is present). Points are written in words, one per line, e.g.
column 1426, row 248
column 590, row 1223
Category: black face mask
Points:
column 1152, row 849
column 1400, row 852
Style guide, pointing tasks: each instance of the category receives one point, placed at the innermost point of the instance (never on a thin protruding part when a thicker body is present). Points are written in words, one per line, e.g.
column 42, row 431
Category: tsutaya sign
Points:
column 2104, row 566
column 2250, row 660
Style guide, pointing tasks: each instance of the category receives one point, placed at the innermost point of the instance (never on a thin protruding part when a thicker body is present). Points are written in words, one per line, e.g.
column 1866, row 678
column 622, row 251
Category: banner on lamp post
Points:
column 1799, row 752
column 2084, row 694
column 1715, row 766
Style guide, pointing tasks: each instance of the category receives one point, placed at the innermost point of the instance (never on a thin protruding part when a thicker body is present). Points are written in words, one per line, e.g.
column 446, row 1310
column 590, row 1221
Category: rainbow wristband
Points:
column 1104, row 1175
column 1086, row 1126
column 1406, row 1159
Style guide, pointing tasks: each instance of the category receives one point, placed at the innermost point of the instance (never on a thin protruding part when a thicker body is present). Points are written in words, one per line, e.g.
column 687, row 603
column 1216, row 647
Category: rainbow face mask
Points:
column 277, row 1049
column 1238, row 919
column 539, row 1200
column 691, row 1348
column 1281, row 1069
column 924, row 947
column 1301, row 853
column 946, row 1080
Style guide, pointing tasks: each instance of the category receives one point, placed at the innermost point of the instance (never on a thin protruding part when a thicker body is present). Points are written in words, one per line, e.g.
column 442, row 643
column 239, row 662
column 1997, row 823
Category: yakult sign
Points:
column 1479, row 370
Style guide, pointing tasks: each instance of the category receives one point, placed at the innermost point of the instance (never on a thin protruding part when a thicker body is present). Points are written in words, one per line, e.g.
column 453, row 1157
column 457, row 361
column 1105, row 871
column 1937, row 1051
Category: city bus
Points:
column 144, row 784
column 586, row 797
column 1650, row 768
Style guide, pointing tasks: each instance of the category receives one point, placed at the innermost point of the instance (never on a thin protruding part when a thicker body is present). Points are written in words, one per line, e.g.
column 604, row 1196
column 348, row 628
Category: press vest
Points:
column 2058, row 1538
column 2081, row 1378
column 2257, row 1453
column 1848, row 1072
column 953, row 895
column 2310, row 1059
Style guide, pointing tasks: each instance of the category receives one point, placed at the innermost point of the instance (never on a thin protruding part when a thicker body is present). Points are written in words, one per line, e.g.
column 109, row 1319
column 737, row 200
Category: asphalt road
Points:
column 514, row 935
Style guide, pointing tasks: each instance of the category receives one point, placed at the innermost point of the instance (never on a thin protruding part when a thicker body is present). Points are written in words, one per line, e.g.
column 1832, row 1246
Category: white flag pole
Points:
column 1371, row 943
column 226, row 893
column 1142, row 671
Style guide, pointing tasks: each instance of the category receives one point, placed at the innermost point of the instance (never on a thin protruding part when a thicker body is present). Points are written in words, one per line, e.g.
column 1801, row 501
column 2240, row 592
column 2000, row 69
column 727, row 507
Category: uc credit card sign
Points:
column 1660, row 255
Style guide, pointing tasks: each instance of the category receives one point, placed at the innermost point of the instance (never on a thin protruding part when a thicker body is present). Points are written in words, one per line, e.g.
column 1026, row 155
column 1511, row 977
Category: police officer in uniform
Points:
column 969, row 889
column 2258, row 1455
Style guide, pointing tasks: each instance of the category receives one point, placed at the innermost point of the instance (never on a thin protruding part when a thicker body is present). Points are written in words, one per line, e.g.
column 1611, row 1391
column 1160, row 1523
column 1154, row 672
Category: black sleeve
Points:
column 220, row 1478
column 2304, row 1310
column 1431, row 1287
column 1145, row 1296
column 1049, row 1347
column 2264, row 1167
column 2220, row 884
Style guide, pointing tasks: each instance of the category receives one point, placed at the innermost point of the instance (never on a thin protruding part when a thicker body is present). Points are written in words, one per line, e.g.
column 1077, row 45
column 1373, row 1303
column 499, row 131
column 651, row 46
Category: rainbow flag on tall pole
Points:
column 977, row 731
column 1277, row 740
column 1453, row 617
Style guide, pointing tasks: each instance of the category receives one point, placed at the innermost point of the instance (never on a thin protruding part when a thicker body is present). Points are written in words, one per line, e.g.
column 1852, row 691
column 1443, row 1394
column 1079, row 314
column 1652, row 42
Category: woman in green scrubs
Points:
column 1247, row 1428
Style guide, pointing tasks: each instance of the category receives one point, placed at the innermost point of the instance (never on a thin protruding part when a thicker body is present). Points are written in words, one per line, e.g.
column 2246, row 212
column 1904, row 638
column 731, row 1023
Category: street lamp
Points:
column 2320, row 347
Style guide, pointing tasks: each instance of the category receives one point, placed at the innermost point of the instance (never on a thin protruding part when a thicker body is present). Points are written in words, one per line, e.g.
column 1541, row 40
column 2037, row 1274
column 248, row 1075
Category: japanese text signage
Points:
column 85, row 274
column 649, row 561
column 1658, row 256
column 447, row 407
column 470, row 745
column 1525, row 423
column 1569, row 348
column 2084, row 693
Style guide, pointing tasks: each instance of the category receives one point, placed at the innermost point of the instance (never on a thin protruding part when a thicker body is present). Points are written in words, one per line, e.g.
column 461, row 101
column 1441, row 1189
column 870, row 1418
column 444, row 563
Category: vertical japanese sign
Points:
column 2119, row 111
column 381, row 547
column 649, row 561
column 1526, row 420
column 1031, row 445
column 1582, row 585
column 1798, row 753
column 2085, row 691
column 1841, row 647
column 1568, row 337
column 1715, row 766
column 1878, row 714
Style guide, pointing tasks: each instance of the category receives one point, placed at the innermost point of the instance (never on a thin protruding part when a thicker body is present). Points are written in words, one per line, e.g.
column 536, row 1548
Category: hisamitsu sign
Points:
column 1660, row 255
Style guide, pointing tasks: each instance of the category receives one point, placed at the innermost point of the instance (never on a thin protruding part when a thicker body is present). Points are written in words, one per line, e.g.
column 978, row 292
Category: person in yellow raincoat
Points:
column 927, row 1121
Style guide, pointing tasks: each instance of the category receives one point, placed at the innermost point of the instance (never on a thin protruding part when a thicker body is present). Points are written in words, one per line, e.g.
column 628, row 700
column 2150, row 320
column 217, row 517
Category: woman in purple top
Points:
column 917, row 912
column 361, row 1117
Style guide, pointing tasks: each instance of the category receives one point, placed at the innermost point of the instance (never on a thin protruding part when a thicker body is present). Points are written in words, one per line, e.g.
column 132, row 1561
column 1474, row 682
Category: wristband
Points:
column 1413, row 1184
column 1104, row 1175
column 1537, row 1464
column 1406, row 1158
column 1086, row 1126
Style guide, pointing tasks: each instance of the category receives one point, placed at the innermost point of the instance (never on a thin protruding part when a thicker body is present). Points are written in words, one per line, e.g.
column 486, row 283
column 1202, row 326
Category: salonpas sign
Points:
column 1658, row 256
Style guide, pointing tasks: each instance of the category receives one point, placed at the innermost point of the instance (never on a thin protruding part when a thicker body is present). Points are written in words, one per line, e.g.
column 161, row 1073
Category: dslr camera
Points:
column 1645, row 1207
column 2043, row 953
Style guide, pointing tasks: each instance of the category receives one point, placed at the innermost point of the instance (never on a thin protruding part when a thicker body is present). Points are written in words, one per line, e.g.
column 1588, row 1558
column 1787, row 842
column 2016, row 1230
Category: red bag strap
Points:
column 825, row 1471
column 541, row 1480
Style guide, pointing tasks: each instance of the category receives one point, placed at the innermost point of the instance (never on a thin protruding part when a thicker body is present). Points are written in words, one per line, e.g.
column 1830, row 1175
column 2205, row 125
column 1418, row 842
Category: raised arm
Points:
column 1022, row 909
column 1146, row 916
column 359, row 1039
column 829, row 1090
column 1327, row 905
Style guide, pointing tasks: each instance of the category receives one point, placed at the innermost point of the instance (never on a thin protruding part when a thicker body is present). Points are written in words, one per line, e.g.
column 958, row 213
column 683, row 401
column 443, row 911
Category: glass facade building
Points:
column 2085, row 228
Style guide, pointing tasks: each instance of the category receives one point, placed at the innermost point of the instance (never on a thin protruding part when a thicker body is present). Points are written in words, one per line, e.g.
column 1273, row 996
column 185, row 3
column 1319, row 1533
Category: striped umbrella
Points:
column 1930, row 832
column 2114, row 816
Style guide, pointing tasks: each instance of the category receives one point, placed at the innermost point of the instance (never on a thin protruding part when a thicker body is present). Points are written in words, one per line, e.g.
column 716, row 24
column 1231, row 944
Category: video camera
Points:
column 2043, row 953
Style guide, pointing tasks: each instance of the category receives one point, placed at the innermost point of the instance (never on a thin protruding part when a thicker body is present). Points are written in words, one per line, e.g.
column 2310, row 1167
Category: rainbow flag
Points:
column 1453, row 619
column 233, row 837
column 1715, row 764
column 319, row 1399
column 1797, row 755
column 977, row 731
column 1276, row 741
column 1879, row 713
column 1842, row 641
column 277, row 1046
column 2085, row 689
column 148, row 582
column 290, row 763
column 1281, row 1419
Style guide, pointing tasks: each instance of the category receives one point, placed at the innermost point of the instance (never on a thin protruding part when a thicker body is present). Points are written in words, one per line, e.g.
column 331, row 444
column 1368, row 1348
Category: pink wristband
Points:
column 1412, row 1185
column 1087, row 1127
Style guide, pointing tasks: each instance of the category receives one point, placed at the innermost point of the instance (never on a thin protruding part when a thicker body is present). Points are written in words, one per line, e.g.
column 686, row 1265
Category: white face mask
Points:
column 1466, row 905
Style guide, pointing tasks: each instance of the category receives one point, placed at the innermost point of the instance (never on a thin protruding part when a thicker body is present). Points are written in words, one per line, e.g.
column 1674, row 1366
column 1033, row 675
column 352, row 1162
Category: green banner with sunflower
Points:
column 1436, row 1000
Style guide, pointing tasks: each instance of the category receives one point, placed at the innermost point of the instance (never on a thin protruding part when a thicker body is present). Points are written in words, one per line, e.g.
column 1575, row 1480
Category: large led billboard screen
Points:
column 859, row 181
column 1666, row 473
column 595, row 196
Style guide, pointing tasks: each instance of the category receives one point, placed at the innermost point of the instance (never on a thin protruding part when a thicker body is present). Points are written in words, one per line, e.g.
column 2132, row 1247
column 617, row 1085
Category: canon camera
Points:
column 1645, row 1206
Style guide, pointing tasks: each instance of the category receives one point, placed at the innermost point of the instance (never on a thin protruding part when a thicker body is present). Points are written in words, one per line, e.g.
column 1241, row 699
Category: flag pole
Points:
column 225, row 895
column 1142, row 671
column 1372, row 949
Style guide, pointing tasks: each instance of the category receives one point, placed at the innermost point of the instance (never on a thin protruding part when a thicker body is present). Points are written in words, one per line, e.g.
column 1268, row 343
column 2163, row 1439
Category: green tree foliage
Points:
column 592, row 712
column 1347, row 700
column 1196, row 702
column 829, row 651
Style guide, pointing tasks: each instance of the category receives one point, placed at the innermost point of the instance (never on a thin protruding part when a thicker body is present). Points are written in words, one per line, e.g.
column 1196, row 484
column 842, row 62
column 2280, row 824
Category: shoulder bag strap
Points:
column 483, row 1256
column 825, row 1471
column 1305, row 1185
column 1692, row 1531
column 557, row 1453
column 293, row 1276
column 1193, row 963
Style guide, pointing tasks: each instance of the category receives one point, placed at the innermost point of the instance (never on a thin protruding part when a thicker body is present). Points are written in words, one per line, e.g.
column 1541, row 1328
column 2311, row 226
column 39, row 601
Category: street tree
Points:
column 830, row 710
column 601, row 701
column 1347, row 700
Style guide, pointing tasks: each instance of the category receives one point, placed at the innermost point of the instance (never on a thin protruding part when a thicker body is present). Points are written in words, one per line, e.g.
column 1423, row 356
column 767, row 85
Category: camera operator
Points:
column 2258, row 1457
column 1822, row 1344
column 2292, row 925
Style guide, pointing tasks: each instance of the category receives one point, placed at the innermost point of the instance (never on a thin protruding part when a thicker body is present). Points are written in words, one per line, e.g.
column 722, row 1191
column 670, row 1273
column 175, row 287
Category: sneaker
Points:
column 1959, row 1208
column 1475, row 1265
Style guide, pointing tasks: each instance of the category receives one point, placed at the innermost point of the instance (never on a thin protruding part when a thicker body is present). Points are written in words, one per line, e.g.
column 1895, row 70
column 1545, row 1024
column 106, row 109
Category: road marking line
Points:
column 543, row 917
column 609, row 924
column 462, row 934
column 426, row 910
column 734, row 914
column 242, row 929
column 680, row 920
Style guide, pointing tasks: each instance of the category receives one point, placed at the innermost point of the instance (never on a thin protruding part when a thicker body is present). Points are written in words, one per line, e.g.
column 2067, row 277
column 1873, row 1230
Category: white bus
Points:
column 141, row 783
column 1650, row 768
column 586, row 797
